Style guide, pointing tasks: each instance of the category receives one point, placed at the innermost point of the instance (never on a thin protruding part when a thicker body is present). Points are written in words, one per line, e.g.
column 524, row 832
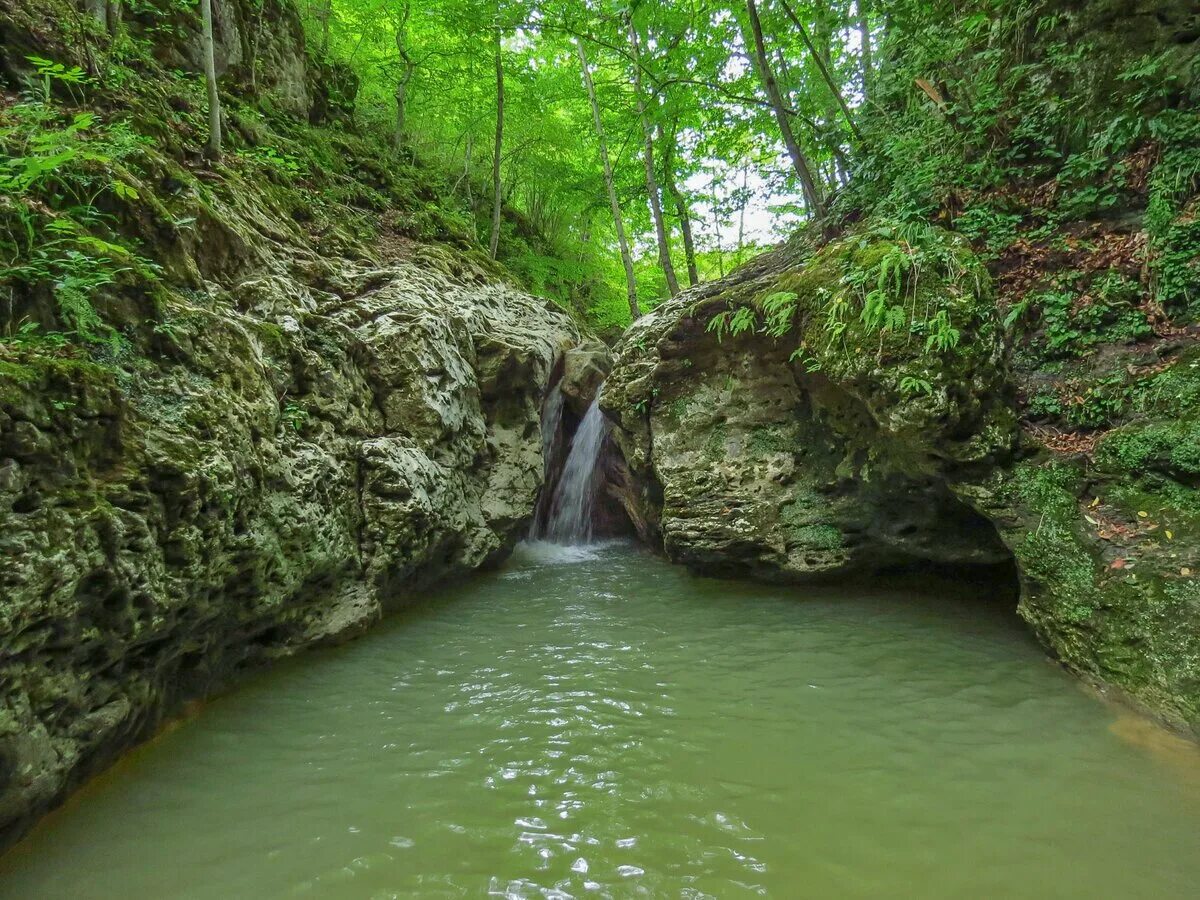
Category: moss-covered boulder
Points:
column 850, row 410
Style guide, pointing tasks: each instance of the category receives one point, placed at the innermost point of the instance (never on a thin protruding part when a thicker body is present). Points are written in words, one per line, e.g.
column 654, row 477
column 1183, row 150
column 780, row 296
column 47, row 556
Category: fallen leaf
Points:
column 1185, row 571
column 1170, row 536
column 1117, row 564
column 1090, row 519
column 1095, row 503
column 1142, row 514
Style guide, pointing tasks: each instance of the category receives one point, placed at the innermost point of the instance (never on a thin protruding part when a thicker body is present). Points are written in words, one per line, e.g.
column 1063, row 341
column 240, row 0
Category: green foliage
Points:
column 293, row 416
column 733, row 322
column 272, row 159
column 1011, row 123
column 1073, row 321
column 1172, row 218
column 1169, row 447
column 1098, row 403
column 912, row 386
column 58, row 166
column 50, row 73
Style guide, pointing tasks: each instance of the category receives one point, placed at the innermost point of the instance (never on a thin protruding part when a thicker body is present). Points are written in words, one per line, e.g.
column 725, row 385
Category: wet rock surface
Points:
column 796, row 457
column 297, row 460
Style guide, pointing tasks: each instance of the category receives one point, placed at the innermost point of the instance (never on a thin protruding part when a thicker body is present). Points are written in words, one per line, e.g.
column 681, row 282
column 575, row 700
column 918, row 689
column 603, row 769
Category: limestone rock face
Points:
column 746, row 459
column 584, row 369
column 296, row 459
column 802, row 445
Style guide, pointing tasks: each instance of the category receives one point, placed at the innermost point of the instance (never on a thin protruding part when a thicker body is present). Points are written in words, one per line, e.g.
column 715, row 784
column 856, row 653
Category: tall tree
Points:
column 613, row 201
column 668, row 142
column 800, row 162
column 821, row 59
column 96, row 9
column 864, row 36
column 210, row 79
column 326, row 16
column 408, row 65
column 260, row 11
column 660, row 228
column 497, row 192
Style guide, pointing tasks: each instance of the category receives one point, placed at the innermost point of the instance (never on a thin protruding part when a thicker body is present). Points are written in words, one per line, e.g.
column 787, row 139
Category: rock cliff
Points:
column 773, row 426
column 297, row 460
column 294, row 393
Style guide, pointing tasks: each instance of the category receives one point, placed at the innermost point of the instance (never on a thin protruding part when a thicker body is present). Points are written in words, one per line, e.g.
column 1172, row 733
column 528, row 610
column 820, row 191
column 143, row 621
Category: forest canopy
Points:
column 609, row 154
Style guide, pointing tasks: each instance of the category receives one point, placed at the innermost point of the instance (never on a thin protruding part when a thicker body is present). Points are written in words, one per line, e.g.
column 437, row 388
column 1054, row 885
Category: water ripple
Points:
column 593, row 722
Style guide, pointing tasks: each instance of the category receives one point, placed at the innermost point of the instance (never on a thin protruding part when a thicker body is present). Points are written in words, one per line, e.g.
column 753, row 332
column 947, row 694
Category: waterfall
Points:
column 570, row 518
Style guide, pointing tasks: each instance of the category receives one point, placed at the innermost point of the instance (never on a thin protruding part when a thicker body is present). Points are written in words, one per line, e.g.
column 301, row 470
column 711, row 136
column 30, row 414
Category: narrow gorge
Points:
column 409, row 487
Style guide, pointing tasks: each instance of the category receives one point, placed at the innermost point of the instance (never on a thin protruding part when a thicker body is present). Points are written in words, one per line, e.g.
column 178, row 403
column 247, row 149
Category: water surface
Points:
column 601, row 724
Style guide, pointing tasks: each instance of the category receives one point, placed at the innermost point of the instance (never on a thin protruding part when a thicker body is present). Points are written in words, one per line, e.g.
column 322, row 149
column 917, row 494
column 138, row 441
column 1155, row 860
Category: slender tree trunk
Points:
column 112, row 16
column 812, row 193
column 626, row 257
column 743, row 200
column 497, row 191
column 98, row 10
column 210, row 78
column 681, row 207
column 407, row 68
column 326, row 16
column 660, row 226
column 864, row 36
column 401, row 111
column 716, row 216
column 467, row 178
column 821, row 59
column 254, row 45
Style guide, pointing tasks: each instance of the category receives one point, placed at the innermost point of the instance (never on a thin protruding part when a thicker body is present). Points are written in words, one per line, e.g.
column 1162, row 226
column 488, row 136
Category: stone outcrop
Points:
column 801, row 444
column 296, row 460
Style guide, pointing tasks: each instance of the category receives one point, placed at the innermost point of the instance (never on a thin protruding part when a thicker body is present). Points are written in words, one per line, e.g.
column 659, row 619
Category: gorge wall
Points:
column 302, row 397
column 769, row 430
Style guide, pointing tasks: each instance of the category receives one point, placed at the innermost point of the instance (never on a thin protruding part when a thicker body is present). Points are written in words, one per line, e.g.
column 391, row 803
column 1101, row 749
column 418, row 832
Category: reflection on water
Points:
column 594, row 722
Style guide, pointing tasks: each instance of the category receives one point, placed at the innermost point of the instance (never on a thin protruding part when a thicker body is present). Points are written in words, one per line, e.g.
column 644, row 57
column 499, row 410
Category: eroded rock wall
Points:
column 297, row 459
column 828, row 449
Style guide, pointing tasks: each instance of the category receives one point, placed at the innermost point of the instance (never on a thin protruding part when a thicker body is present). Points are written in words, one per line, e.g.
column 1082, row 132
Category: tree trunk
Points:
column 254, row 45
column 812, row 193
column 210, row 78
column 407, row 68
column 743, row 201
column 716, row 216
column 401, row 112
column 864, row 35
column 112, row 16
column 821, row 59
column 497, row 192
column 618, row 224
column 98, row 10
column 681, row 207
column 660, row 227
column 326, row 15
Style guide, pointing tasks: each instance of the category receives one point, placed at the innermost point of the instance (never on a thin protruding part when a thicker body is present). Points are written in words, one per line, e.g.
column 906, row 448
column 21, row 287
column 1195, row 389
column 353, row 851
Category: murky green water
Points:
column 615, row 726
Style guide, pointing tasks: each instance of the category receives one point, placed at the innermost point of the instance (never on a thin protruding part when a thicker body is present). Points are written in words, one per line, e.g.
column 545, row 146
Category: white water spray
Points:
column 570, row 519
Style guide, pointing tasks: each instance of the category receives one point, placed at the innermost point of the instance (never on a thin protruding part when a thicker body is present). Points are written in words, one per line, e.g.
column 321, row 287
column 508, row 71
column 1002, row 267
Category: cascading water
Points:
column 570, row 517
